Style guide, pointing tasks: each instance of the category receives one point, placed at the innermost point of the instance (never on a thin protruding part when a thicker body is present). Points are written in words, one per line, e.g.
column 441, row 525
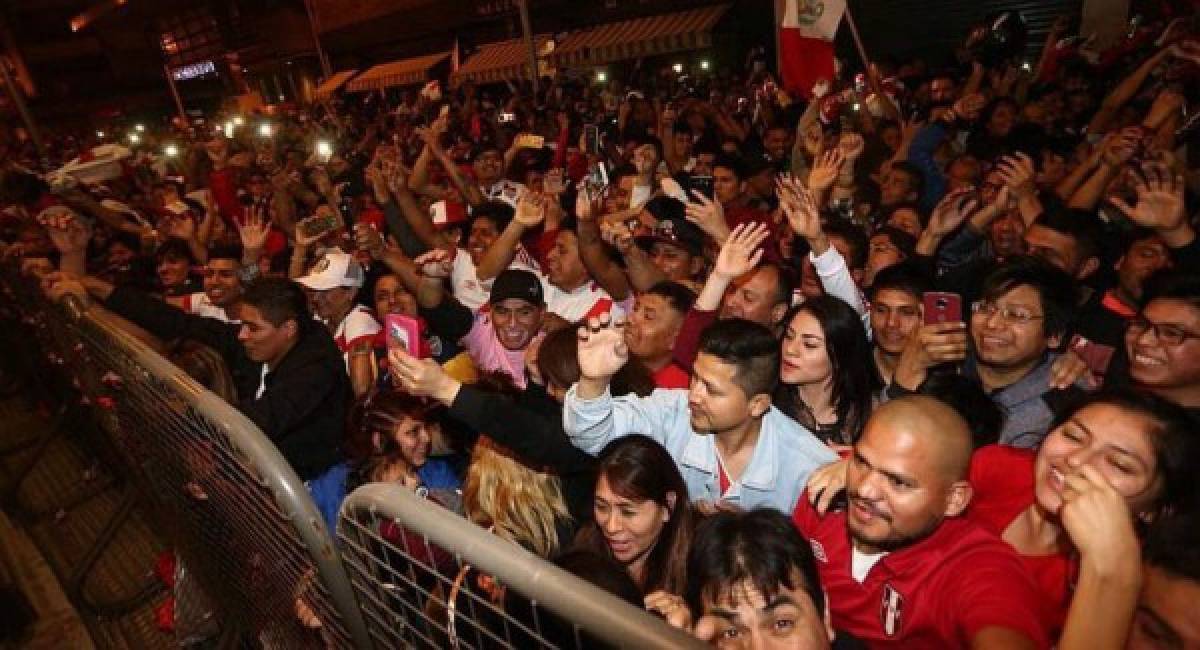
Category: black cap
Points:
column 676, row 231
column 517, row 283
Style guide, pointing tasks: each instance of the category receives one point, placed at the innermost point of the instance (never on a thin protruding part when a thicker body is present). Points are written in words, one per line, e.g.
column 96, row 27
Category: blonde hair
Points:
column 521, row 504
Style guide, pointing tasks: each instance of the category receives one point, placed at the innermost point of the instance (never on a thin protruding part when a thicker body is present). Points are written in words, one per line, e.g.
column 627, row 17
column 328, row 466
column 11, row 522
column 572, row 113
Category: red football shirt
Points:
column 1003, row 480
column 672, row 376
column 937, row 593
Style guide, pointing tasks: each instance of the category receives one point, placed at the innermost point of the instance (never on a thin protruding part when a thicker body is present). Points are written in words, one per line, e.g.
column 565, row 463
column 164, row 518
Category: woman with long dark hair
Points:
column 642, row 516
column 827, row 374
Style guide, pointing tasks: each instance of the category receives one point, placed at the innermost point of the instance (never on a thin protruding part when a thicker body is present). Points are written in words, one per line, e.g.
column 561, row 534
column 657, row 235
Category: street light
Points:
column 704, row 64
column 264, row 129
column 324, row 150
column 135, row 138
column 100, row 134
column 229, row 129
column 678, row 68
column 237, row 119
column 601, row 76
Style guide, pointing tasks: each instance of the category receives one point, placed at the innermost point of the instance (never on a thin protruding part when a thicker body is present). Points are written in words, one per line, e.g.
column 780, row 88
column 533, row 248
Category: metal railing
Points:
column 416, row 567
column 259, row 560
column 235, row 512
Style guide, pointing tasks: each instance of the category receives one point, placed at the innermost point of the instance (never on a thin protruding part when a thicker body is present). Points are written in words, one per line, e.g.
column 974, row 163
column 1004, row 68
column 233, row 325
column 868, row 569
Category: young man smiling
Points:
column 729, row 441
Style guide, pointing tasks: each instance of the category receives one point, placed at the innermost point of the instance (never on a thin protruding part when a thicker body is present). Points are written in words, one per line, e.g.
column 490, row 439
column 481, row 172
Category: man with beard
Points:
column 729, row 442
column 900, row 566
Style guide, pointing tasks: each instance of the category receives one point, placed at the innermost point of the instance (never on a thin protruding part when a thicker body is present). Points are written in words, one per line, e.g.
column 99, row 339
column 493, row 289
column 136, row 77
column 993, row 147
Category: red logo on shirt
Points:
column 890, row 614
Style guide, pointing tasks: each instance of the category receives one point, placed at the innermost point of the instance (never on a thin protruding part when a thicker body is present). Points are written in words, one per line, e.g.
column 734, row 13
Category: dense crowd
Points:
column 912, row 363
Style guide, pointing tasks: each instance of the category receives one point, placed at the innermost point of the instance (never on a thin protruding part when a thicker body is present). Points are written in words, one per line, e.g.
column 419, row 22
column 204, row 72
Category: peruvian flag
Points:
column 806, row 32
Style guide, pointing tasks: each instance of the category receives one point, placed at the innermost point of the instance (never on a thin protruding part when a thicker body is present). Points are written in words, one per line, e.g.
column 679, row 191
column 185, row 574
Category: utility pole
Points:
column 314, row 25
column 523, row 6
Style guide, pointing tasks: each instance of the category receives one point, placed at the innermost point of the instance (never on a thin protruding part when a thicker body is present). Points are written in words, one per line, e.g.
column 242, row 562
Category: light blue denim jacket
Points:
column 785, row 455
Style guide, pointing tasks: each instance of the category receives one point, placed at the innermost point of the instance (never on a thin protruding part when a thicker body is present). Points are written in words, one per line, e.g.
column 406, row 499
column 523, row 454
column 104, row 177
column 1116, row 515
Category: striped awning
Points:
column 405, row 72
column 331, row 85
column 631, row 39
column 498, row 61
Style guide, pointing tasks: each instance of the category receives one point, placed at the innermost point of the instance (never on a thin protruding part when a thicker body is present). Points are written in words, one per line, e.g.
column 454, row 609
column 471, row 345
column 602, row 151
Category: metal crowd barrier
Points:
column 416, row 568
column 239, row 518
column 257, row 555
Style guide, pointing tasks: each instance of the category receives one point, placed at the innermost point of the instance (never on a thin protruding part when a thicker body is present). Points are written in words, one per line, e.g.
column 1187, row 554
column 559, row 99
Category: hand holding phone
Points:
column 403, row 332
column 319, row 224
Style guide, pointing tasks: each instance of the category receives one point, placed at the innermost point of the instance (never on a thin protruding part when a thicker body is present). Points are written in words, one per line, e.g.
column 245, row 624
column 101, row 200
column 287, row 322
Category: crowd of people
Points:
column 913, row 362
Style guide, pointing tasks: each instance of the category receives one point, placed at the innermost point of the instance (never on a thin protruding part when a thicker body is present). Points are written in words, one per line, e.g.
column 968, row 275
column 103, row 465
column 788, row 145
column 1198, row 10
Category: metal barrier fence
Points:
column 238, row 516
column 256, row 549
column 416, row 568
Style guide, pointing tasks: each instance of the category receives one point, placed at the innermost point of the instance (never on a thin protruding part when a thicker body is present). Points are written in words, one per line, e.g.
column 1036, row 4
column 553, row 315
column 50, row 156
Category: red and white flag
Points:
column 806, row 32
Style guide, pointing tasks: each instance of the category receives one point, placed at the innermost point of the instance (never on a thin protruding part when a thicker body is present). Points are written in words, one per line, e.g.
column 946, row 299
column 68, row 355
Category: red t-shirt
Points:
column 672, row 376
column 1003, row 480
column 223, row 184
column 937, row 593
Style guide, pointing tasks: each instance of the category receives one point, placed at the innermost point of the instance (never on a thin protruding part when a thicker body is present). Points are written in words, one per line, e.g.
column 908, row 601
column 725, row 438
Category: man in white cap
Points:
column 332, row 284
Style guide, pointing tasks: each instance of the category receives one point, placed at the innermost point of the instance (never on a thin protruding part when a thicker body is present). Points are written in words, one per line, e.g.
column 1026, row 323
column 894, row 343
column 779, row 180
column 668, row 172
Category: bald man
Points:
column 900, row 566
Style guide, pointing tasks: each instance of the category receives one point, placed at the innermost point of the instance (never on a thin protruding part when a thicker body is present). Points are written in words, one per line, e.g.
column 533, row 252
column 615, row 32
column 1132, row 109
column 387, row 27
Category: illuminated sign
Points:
column 193, row 70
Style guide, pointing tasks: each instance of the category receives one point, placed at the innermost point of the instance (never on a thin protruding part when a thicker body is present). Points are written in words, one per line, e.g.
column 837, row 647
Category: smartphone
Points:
column 320, row 224
column 942, row 307
column 1096, row 356
column 530, row 141
column 403, row 332
column 701, row 184
column 591, row 139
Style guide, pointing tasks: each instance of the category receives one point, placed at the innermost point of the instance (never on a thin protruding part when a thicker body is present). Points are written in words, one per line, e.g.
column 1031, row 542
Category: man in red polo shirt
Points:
column 901, row 568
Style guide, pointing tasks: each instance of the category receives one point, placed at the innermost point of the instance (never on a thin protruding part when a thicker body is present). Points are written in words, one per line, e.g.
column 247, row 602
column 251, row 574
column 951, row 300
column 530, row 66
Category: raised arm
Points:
column 530, row 212
column 592, row 251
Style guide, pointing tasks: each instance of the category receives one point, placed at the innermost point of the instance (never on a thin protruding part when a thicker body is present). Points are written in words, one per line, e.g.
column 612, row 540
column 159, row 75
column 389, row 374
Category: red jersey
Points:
column 672, row 376
column 1003, row 480
column 937, row 593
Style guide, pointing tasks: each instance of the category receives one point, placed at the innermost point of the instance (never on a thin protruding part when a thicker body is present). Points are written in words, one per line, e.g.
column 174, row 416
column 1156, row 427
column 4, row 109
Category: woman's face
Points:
column 413, row 439
column 1115, row 442
column 1002, row 120
column 631, row 528
column 392, row 298
column 805, row 360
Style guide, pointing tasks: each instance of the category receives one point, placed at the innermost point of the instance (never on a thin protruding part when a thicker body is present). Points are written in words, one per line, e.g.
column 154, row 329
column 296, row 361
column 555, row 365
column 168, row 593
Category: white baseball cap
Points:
column 334, row 269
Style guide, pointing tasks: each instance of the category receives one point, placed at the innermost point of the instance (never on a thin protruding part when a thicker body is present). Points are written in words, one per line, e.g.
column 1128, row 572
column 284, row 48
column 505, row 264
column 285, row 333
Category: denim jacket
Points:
column 785, row 455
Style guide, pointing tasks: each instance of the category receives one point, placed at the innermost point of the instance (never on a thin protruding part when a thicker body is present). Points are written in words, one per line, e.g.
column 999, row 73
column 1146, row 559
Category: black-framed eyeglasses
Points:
column 1166, row 334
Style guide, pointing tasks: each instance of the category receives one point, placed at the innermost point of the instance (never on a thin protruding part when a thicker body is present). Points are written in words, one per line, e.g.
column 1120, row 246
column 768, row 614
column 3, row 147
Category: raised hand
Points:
column 254, row 231
column 969, row 107
column 742, row 252
column 531, row 209
column 1160, row 204
column 368, row 239
column 1018, row 174
column 436, row 263
column 800, row 207
column 602, row 348
column 180, row 227
column 67, row 232
column 617, row 235
column 708, row 215
column 851, row 145
column 951, row 212
column 1121, row 148
column 554, row 183
column 825, row 170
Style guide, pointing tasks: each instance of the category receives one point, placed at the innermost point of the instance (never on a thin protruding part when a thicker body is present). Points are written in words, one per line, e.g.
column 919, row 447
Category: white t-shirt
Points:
column 358, row 325
column 862, row 563
column 199, row 304
column 582, row 303
column 472, row 292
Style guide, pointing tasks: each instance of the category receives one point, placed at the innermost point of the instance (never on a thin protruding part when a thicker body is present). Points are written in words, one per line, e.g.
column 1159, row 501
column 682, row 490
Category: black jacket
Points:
column 303, row 408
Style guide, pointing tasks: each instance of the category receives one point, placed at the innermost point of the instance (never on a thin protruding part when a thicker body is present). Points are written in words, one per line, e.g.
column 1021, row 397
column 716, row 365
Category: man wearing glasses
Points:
column 1022, row 316
column 1163, row 341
